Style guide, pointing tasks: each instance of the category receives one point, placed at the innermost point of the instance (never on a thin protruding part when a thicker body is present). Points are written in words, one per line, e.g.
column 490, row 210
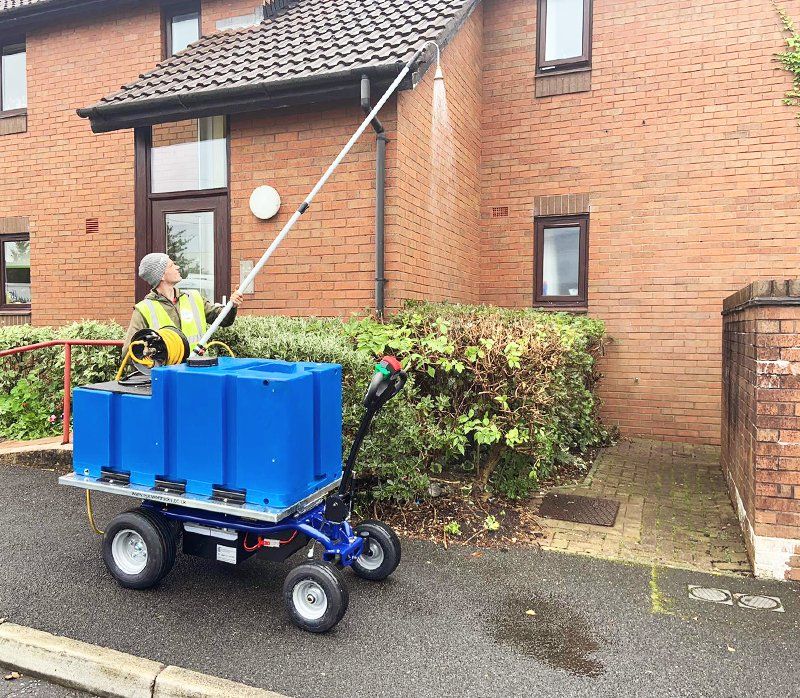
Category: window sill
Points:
column 563, row 82
column 15, row 311
column 13, row 121
column 581, row 309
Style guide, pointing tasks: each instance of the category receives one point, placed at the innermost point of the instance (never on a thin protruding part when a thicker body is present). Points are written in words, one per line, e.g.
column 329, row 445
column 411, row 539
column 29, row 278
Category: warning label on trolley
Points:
column 226, row 554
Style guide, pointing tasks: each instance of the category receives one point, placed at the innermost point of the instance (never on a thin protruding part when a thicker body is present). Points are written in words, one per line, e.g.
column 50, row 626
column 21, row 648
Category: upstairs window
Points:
column 564, row 35
column 181, row 27
column 13, row 83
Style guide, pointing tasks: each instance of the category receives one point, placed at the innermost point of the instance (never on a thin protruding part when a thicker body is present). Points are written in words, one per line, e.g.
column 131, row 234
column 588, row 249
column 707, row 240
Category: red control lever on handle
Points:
column 388, row 380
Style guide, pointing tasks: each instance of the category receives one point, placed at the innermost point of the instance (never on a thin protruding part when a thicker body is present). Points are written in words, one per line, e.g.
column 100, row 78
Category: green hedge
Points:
column 32, row 384
column 506, row 395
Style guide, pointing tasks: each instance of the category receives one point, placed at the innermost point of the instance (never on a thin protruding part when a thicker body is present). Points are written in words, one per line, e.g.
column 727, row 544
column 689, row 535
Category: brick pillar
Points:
column 761, row 421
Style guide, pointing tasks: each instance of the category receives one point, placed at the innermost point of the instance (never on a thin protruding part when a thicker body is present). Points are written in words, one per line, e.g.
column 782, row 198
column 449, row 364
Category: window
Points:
column 13, row 83
column 181, row 27
column 15, row 269
column 564, row 35
column 189, row 155
column 561, row 251
column 182, row 201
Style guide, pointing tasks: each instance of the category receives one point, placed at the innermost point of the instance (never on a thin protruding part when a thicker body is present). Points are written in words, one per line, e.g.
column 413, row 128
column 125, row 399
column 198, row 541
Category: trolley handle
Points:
column 389, row 379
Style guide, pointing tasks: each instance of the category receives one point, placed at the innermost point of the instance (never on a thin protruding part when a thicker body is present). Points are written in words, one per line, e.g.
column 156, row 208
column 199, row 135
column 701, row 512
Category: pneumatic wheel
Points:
column 135, row 551
column 168, row 532
column 382, row 555
column 316, row 596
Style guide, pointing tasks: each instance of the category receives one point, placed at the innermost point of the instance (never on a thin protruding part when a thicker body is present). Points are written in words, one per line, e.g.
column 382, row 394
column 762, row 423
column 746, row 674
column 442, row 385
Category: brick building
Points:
column 632, row 160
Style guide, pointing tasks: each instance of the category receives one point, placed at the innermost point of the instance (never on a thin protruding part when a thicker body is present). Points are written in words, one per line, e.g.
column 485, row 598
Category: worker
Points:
column 166, row 304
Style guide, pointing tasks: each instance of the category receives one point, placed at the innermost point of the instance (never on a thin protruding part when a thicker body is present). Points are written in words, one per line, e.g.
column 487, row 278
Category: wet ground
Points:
column 457, row 622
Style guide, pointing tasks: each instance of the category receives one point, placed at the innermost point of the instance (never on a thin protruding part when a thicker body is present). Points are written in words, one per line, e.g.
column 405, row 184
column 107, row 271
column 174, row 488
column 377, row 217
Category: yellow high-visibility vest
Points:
column 190, row 311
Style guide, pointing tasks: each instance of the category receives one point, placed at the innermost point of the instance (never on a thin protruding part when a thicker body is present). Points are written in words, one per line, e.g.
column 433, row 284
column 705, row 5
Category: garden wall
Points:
column 761, row 421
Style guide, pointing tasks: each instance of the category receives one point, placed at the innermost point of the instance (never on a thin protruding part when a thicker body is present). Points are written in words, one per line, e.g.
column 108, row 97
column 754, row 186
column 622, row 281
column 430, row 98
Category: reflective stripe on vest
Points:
column 190, row 312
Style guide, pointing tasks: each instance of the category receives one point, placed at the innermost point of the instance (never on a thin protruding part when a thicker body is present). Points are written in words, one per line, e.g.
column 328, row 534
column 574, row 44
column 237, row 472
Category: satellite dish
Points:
column 264, row 202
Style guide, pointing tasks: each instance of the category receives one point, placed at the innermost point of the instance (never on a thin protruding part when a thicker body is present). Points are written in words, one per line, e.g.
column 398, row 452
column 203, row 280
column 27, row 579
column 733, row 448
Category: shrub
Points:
column 508, row 393
column 32, row 384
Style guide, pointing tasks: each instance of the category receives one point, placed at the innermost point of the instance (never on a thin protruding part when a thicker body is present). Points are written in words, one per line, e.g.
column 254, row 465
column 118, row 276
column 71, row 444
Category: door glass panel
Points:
column 189, row 155
column 560, row 261
column 190, row 244
column 563, row 29
column 17, row 255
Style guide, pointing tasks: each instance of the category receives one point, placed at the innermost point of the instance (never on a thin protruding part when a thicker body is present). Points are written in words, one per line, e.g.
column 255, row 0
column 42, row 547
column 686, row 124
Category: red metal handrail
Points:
column 67, row 344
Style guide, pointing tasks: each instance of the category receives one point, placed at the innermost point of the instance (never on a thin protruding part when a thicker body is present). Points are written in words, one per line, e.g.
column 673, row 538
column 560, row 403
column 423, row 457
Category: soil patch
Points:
column 475, row 513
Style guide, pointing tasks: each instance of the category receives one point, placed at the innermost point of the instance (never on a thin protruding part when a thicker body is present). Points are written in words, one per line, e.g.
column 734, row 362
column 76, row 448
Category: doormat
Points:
column 571, row 507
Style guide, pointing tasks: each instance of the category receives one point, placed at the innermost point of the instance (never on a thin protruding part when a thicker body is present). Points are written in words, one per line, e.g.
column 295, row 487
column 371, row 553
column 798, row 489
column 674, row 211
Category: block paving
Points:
column 674, row 509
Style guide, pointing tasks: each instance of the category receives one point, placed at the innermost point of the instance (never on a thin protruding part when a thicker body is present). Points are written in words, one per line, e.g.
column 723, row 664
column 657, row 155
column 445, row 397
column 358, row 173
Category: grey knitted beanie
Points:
column 152, row 268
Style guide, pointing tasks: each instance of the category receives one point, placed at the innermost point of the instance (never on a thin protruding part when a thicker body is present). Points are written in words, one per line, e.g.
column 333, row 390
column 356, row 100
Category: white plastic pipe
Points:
column 307, row 201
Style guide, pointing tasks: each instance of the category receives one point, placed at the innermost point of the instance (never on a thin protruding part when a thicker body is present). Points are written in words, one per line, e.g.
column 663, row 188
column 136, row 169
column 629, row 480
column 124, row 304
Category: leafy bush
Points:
column 504, row 394
column 507, row 394
column 32, row 384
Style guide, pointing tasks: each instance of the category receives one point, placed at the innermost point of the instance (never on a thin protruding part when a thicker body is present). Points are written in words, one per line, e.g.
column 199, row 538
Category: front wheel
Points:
column 382, row 555
column 135, row 551
column 316, row 596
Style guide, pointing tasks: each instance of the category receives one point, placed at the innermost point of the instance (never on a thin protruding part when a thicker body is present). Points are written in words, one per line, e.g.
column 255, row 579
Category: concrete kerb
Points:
column 107, row 672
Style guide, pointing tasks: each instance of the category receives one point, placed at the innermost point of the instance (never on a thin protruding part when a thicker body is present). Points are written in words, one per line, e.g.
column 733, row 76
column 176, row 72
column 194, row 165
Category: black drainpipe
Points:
column 380, row 190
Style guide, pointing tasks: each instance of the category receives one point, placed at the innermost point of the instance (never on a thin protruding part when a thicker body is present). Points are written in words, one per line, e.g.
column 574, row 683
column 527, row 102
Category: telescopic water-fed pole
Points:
column 201, row 346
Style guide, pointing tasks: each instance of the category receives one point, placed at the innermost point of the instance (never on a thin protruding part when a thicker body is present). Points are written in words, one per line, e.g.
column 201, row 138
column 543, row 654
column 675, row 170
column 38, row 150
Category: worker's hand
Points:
column 237, row 298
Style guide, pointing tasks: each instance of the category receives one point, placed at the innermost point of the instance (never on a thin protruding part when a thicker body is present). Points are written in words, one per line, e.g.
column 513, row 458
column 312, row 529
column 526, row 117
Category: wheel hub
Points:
column 310, row 599
column 372, row 557
column 129, row 551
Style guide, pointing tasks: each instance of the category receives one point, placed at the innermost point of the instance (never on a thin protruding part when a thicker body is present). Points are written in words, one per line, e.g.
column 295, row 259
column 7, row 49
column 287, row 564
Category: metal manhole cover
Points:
column 571, row 507
column 710, row 594
column 755, row 602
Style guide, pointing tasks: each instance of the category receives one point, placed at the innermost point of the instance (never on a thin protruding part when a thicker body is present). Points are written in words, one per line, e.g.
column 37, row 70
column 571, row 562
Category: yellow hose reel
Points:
column 166, row 346
column 149, row 348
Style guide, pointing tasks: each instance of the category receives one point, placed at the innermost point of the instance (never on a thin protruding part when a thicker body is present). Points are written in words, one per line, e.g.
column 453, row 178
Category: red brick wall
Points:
column 433, row 195
column 690, row 160
column 326, row 265
column 794, row 566
column 59, row 173
column 761, row 406
column 214, row 10
column 740, row 410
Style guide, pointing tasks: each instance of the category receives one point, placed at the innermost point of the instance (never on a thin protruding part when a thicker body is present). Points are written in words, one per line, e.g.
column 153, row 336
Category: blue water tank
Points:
column 269, row 430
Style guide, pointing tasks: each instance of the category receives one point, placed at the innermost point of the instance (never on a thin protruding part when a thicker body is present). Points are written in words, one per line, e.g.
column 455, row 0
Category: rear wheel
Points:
column 168, row 533
column 134, row 550
column 382, row 553
column 316, row 596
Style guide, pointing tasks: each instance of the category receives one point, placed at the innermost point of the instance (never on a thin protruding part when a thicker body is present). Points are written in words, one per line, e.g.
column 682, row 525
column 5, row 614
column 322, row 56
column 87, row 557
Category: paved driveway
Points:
column 449, row 623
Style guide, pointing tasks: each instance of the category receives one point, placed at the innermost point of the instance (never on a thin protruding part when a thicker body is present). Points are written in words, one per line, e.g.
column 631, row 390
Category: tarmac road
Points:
column 448, row 623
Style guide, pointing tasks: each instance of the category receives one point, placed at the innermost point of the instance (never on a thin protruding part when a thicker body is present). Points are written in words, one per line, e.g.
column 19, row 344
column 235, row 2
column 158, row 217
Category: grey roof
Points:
column 307, row 42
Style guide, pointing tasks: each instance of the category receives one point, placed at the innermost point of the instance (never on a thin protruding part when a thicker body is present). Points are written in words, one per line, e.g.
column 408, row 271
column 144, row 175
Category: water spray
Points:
column 202, row 344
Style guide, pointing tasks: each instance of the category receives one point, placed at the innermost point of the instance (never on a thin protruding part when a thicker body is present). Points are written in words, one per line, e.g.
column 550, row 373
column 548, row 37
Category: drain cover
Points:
column 756, row 602
column 710, row 594
column 571, row 507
